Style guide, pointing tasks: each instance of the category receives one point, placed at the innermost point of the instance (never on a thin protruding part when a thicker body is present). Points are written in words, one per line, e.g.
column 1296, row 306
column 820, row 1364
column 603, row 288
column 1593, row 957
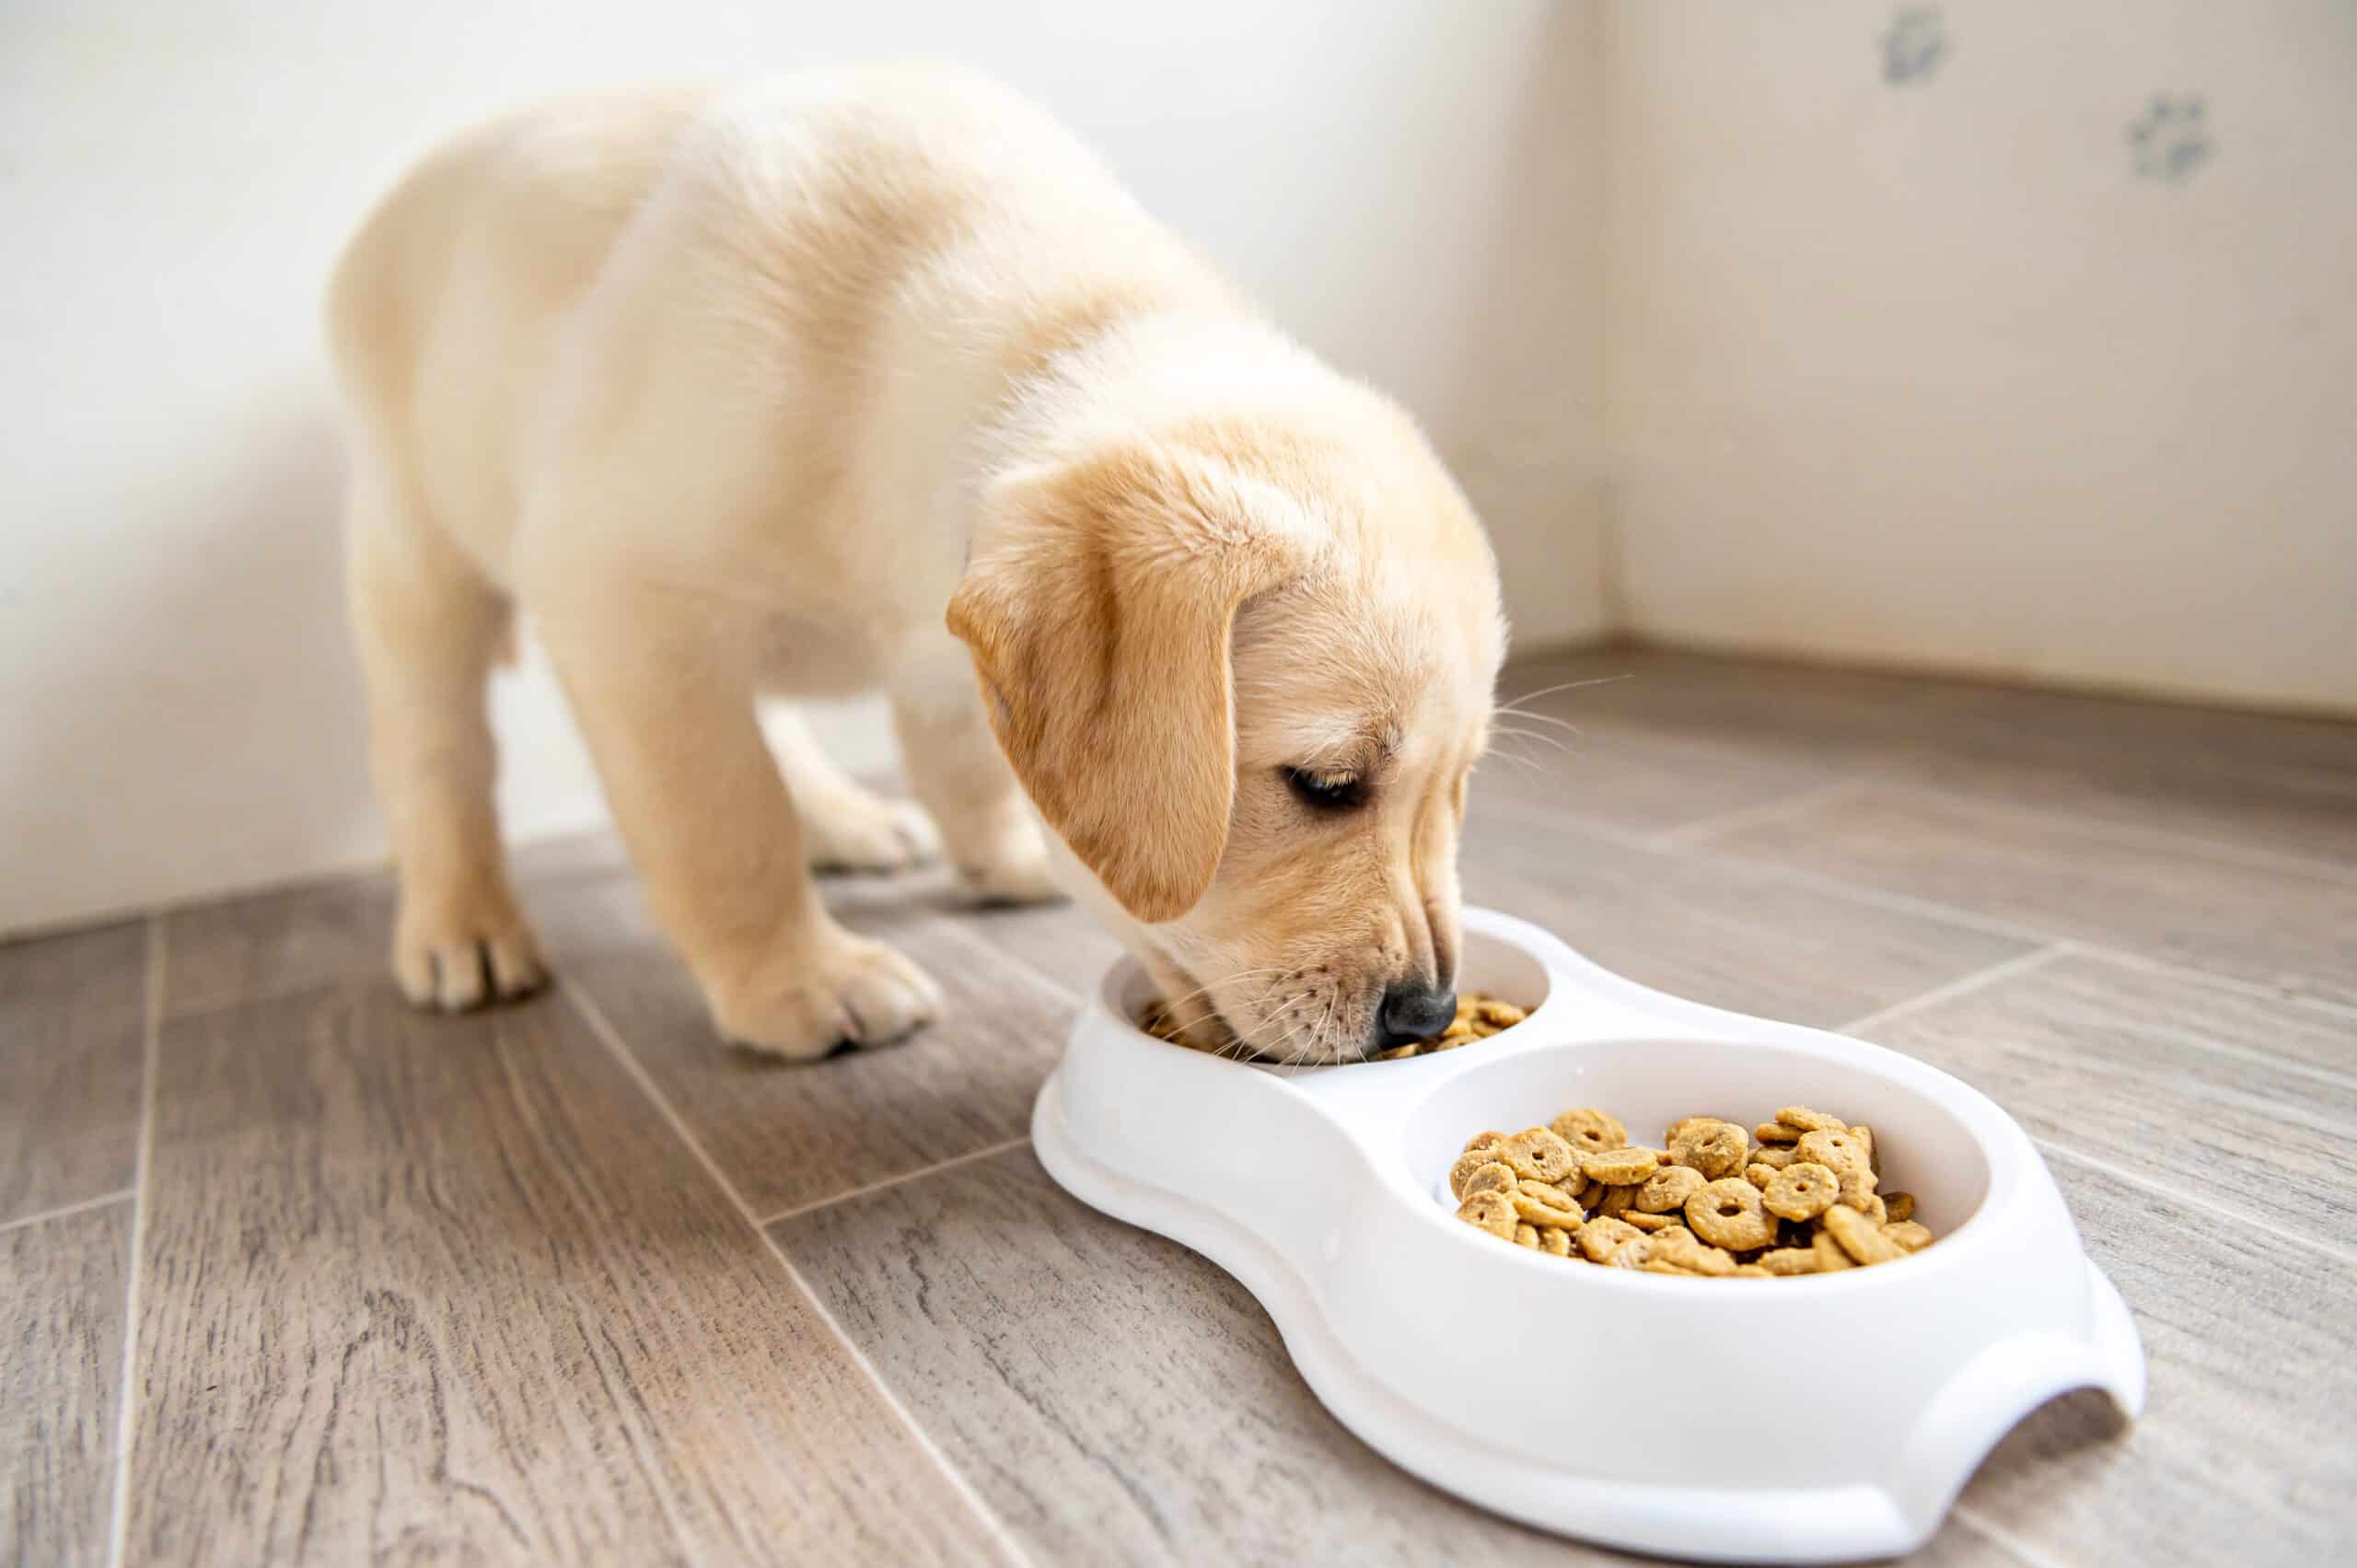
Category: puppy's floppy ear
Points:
column 1099, row 613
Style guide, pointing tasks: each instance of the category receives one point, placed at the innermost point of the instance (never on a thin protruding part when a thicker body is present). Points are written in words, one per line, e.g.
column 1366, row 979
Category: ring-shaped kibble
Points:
column 1727, row 1213
column 1697, row 1255
column 1622, row 1168
column 1492, row 1211
column 1802, row 1190
column 1539, row 1153
column 1467, row 1164
column 1713, row 1147
column 1597, row 1239
column 1837, row 1151
column 1534, row 1202
column 1666, row 1189
column 1590, row 1131
column 1494, row 1177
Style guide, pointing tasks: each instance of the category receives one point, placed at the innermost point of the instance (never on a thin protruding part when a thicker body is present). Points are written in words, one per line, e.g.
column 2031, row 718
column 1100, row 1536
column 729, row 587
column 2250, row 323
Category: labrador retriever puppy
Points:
column 879, row 380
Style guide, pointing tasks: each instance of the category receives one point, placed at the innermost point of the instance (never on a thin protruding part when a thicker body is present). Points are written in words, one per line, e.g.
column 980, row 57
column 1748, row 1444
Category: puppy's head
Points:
column 1243, row 668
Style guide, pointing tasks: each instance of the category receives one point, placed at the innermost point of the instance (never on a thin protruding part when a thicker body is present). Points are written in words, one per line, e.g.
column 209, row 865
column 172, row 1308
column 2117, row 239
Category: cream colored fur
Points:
column 880, row 381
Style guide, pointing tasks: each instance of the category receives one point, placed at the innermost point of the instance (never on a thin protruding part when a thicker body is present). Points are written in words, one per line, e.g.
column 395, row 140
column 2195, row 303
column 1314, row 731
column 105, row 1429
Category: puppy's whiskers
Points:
column 1564, row 686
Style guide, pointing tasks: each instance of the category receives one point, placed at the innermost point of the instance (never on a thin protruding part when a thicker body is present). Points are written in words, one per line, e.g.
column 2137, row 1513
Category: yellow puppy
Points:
column 880, row 380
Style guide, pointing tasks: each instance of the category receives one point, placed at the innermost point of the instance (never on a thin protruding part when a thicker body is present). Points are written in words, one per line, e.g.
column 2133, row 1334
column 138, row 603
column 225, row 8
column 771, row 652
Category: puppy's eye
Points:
column 1326, row 791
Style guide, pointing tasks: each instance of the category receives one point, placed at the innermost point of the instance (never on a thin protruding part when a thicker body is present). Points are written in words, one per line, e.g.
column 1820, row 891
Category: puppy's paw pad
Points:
column 461, row 960
column 1022, row 880
column 860, row 832
column 860, row 995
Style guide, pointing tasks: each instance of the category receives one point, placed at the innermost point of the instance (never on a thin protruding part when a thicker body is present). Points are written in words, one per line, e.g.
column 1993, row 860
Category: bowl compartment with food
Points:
column 1600, row 1403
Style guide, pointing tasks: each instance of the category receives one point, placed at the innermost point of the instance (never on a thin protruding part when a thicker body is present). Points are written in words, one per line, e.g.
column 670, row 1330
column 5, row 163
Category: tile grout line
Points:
column 1963, row 985
column 2100, row 827
column 891, row 1181
column 126, row 1413
column 1927, row 908
column 65, row 1210
column 1717, row 822
column 2004, row 1539
column 2170, row 970
column 611, row 1037
column 2219, row 1211
column 1889, row 775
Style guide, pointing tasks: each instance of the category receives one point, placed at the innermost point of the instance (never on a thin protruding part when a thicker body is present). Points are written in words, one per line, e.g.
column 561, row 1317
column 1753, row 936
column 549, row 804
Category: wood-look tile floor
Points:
column 289, row 1273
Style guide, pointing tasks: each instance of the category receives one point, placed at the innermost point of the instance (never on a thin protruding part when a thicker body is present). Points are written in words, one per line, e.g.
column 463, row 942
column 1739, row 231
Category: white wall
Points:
column 1405, row 182
column 1924, row 373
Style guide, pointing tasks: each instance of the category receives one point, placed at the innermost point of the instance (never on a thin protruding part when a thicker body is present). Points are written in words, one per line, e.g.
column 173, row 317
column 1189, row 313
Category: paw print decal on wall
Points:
column 1913, row 47
column 2171, row 140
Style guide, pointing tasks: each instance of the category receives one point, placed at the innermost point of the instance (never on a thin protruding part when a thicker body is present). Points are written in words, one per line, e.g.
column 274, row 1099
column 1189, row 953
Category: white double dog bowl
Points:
column 1820, row 1418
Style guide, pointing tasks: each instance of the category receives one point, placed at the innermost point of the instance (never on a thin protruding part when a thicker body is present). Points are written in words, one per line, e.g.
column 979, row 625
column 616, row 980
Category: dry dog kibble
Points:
column 1666, row 1189
column 1632, row 1254
column 1542, row 1203
column 1468, row 1162
column 1622, row 1168
column 1682, row 1248
column 1837, row 1151
column 1590, row 1131
column 1713, row 1147
column 1536, row 1153
column 1493, row 1211
column 1492, row 1177
column 1726, row 1212
column 1600, row 1235
column 1802, row 1190
column 1860, row 1237
column 1714, row 1204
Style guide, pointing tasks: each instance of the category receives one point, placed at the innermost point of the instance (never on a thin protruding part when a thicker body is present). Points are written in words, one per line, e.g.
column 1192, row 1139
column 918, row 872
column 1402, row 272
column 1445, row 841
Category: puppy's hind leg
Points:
column 428, row 628
column 956, row 770
column 845, row 827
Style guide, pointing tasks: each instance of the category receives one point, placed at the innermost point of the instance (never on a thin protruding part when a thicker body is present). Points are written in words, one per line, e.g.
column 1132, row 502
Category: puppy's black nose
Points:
column 1415, row 1011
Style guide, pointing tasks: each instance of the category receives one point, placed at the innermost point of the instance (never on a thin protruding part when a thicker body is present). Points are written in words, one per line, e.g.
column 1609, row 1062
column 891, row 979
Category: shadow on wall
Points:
column 223, row 689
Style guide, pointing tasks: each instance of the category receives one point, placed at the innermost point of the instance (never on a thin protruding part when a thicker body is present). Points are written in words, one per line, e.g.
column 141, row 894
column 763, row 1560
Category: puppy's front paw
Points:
column 1014, row 880
column 453, row 954
column 854, row 992
column 860, row 833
